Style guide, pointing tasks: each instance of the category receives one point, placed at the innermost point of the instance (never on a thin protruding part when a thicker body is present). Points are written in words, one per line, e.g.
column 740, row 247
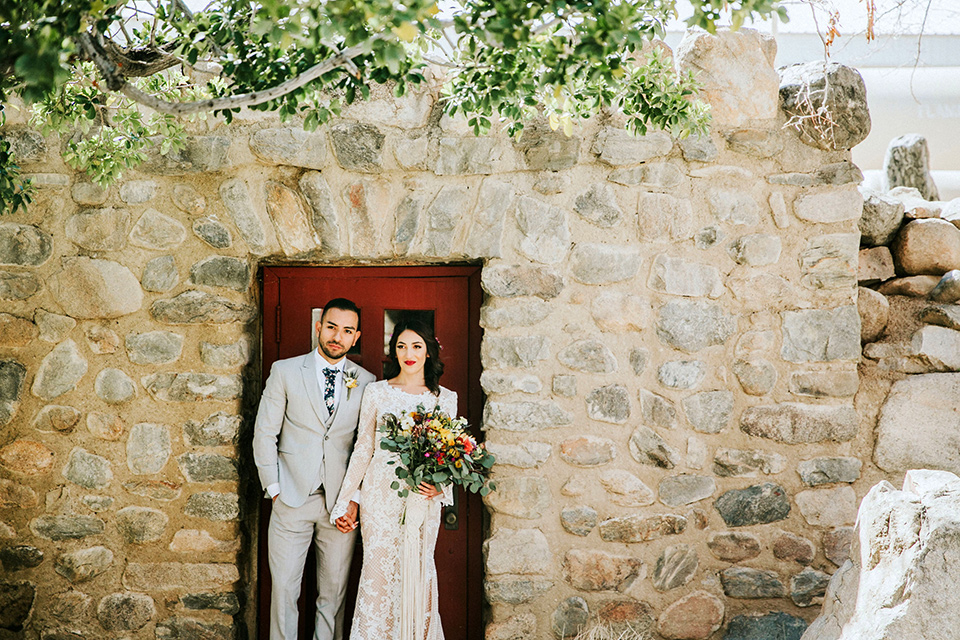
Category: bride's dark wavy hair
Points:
column 432, row 369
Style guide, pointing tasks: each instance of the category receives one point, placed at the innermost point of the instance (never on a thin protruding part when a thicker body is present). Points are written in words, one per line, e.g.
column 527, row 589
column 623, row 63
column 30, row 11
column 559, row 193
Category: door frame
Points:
column 269, row 277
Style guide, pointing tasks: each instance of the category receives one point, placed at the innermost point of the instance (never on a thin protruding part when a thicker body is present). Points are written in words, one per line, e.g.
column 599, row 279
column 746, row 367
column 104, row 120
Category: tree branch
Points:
column 141, row 62
column 108, row 69
column 549, row 25
column 116, row 82
column 446, row 36
column 181, row 5
column 916, row 62
column 441, row 63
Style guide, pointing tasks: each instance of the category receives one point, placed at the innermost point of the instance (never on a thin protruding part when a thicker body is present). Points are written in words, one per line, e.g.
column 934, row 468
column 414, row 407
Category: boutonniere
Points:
column 349, row 381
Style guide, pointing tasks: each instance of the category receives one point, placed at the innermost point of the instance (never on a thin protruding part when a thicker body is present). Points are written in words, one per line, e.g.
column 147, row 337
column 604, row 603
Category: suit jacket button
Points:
column 326, row 437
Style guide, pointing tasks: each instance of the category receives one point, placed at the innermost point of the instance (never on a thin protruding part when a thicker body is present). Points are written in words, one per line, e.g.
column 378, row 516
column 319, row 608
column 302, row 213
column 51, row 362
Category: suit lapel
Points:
column 312, row 385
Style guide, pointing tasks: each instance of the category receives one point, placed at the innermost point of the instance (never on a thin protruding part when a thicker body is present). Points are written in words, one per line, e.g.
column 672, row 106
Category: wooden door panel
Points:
column 290, row 294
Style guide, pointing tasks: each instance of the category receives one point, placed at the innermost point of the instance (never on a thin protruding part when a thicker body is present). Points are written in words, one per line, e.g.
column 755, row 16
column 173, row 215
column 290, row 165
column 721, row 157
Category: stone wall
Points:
column 670, row 357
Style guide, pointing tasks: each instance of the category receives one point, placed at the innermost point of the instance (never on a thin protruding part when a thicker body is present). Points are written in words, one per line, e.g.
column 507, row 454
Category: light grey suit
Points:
column 295, row 441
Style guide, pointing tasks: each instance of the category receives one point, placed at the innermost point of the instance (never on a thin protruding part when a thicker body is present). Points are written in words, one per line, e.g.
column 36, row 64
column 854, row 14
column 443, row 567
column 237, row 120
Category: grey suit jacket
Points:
column 294, row 432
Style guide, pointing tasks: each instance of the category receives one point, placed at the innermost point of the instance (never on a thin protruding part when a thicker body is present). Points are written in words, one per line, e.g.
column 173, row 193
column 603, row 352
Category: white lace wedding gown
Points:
column 380, row 597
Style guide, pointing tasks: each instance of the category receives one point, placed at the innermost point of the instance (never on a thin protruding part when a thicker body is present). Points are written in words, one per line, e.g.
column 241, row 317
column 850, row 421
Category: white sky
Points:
column 893, row 17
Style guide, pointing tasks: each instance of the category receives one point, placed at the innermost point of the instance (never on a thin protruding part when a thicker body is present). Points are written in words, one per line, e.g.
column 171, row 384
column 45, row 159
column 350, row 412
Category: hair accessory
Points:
column 438, row 342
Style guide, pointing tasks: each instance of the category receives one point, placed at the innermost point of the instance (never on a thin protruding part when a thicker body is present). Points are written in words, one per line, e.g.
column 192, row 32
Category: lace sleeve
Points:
column 448, row 403
column 362, row 452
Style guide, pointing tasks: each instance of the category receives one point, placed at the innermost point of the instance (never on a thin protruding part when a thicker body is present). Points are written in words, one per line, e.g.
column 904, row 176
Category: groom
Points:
column 302, row 440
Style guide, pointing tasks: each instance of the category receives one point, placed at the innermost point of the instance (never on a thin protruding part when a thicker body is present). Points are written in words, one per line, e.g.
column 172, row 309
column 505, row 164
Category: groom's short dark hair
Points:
column 340, row 303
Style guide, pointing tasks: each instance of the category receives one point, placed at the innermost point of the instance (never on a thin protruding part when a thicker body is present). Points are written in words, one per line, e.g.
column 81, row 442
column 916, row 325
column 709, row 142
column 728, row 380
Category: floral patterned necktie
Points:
column 328, row 388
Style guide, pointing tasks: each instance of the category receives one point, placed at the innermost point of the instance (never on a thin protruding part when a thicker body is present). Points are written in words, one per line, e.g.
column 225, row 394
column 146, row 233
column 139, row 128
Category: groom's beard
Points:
column 333, row 350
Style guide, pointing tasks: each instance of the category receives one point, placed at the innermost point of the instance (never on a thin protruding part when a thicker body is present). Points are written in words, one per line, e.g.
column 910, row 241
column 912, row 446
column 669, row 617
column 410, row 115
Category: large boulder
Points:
column 881, row 219
column 911, row 286
column 735, row 69
column 948, row 289
column 903, row 575
column 937, row 347
column 875, row 265
column 914, row 204
column 919, row 418
column 874, row 312
column 837, row 90
column 907, row 164
column 927, row 247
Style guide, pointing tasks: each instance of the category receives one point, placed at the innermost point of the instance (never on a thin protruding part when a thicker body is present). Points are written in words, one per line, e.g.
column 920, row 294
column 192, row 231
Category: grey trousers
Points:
column 288, row 539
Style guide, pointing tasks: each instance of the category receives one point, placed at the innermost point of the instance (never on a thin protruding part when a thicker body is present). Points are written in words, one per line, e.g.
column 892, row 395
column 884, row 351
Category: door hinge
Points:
column 277, row 320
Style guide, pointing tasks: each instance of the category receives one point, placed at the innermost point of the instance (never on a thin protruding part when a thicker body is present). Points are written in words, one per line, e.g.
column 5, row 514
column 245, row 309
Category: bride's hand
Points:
column 428, row 490
column 348, row 521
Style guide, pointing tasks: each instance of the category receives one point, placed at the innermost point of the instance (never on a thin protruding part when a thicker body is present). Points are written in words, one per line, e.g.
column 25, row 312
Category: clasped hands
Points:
column 348, row 521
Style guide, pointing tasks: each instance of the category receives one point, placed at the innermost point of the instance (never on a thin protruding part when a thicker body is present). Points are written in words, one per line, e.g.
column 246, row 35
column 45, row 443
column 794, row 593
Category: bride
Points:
column 397, row 597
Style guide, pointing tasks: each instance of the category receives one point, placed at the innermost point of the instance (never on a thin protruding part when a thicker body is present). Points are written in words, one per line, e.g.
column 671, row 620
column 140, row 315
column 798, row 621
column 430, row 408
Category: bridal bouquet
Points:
column 437, row 449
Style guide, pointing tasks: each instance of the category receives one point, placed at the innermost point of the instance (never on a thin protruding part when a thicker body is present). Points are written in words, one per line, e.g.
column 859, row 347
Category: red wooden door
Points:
column 292, row 297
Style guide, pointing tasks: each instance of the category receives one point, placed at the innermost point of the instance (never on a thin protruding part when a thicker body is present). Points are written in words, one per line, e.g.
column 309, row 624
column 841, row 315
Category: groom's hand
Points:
column 348, row 521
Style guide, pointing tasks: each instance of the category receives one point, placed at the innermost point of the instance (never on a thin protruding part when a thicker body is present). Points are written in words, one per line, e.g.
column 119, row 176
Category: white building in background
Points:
column 913, row 81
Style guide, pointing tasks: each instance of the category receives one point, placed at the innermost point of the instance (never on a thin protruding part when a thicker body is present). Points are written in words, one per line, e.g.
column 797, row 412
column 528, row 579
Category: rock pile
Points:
column 910, row 246
column 909, row 277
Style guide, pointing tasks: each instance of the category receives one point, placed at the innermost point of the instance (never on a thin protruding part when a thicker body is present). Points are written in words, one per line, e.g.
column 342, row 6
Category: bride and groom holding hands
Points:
column 313, row 409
